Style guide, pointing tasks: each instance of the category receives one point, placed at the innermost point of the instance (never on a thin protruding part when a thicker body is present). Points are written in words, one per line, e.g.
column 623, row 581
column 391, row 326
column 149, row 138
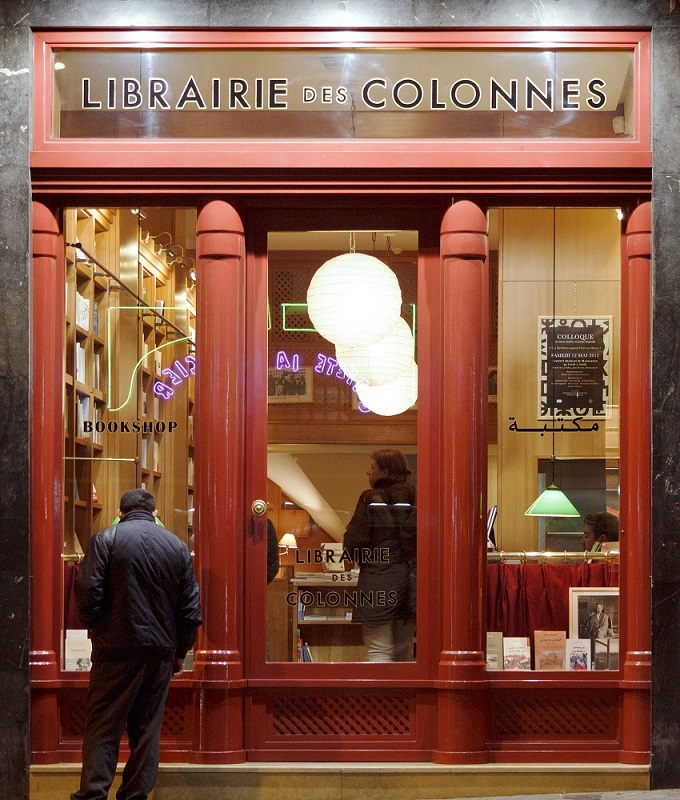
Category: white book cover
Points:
column 82, row 311
column 81, row 368
column 516, row 653
column 77, row 654
column 578, row 654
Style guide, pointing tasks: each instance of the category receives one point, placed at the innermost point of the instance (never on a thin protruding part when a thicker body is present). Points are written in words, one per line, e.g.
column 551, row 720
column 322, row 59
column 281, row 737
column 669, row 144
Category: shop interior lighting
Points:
column 288, row 542
column 552, row 502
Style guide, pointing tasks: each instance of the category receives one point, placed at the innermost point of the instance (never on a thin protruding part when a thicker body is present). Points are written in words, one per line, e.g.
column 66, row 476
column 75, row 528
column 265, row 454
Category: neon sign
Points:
column 177, row 374
column 325, row 365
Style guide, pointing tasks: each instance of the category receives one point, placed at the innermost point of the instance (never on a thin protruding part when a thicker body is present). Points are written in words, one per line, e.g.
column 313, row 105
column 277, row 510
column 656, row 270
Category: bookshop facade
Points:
column 261, row 259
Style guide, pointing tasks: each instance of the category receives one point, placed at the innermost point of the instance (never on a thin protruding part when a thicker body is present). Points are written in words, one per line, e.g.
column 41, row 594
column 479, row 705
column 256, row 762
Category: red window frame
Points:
column 50, row 152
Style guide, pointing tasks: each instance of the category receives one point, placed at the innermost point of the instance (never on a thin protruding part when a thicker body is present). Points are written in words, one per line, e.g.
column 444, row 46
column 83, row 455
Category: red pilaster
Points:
column 218, row 670
column 47, row 442
column 462, row 666
column 636, row 480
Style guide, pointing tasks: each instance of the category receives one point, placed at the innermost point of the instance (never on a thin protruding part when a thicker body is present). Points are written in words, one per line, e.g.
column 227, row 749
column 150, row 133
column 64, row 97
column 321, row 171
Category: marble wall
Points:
column 18, row 17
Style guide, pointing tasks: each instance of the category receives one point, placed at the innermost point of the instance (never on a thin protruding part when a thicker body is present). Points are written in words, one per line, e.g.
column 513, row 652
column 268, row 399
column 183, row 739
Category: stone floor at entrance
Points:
column 359, row 781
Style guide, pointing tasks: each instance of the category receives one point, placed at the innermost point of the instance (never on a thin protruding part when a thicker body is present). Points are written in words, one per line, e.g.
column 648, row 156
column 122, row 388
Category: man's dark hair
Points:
column 137, row 499
column 605, row 523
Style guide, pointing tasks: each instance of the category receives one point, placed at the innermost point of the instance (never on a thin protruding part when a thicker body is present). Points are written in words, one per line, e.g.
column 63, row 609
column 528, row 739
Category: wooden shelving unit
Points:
column 129, row 367
column 325, row 625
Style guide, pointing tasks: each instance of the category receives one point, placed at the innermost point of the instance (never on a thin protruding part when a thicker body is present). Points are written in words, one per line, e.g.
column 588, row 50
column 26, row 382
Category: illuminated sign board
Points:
column 353, row 93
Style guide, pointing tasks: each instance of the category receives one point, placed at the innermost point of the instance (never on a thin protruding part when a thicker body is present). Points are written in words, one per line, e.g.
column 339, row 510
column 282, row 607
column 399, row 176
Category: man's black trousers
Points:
column 128, row 693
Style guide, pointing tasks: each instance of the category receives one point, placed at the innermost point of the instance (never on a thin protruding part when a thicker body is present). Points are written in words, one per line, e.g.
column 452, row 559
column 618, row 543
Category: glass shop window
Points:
column 129, row 378
column 342, row 386
column 554, row 438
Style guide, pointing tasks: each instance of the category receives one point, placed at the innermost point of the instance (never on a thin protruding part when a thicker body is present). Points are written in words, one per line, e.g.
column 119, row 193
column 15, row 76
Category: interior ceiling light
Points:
column 354, row 300
column 382, row 362
column 391, row 398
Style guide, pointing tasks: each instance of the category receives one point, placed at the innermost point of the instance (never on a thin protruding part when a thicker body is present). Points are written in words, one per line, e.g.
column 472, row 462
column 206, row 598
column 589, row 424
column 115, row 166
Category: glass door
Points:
column 336, row 369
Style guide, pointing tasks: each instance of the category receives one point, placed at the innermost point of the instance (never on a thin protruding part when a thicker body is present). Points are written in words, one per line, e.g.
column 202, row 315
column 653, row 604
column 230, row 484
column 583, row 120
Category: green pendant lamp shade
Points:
column 552, row 502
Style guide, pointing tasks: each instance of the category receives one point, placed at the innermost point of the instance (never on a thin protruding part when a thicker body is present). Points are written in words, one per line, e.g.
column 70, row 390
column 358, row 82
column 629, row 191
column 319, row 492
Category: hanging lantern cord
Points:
column 554, row 304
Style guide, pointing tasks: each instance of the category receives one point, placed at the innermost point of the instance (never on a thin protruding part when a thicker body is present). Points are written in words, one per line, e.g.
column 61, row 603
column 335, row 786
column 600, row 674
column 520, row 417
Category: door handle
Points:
column 259, row 507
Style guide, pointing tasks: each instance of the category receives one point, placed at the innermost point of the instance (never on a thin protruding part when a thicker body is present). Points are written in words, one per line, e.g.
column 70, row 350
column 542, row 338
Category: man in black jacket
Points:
column 137, row 593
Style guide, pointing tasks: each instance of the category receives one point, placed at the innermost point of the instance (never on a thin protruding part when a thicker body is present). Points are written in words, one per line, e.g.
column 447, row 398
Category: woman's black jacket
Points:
column 381, row 538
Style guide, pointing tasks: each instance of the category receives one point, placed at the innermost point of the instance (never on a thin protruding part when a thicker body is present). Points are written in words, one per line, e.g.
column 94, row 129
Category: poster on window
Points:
column 575, row 367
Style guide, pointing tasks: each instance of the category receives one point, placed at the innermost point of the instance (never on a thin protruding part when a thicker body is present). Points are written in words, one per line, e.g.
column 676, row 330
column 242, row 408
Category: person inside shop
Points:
column 600, row 532
column 381, row 539
column 137, row 593
column 272, row 552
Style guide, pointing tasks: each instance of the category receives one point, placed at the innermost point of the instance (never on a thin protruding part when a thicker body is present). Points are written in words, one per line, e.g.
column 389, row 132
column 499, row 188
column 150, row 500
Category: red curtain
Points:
column 523, row 598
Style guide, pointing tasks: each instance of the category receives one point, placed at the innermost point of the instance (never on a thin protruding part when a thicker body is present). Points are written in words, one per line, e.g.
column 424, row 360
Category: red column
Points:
column 47, row 442
column 636, row 481
column 220, row 325
column 462, row 678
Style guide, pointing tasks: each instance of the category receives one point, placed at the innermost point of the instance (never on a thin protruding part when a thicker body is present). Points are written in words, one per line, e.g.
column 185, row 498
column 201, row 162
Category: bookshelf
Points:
column 129, row 365
column 324, row 627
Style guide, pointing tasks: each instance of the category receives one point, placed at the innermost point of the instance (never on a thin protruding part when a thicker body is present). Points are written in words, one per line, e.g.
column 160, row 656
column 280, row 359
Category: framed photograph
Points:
column 594, row 615
column 493, row 384
column 290, row 386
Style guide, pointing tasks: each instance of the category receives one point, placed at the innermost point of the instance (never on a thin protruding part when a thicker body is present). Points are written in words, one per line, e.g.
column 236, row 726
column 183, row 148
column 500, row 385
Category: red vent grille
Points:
column 341, row 716
column 552, row 717
column 174, row 720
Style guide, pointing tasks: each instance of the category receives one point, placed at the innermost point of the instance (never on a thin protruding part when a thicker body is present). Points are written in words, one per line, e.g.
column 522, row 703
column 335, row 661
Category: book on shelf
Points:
column 97, row 377
column 82, row 312
column 95, row 494
column 306, row 654
column 83, row 412
column 81, row 364
column 494, row 650
column 549, row 650
column 606, row 653
column 77, row 650
column 578, row 654
column 95, row 318
column 144, row 455
column 516, row 652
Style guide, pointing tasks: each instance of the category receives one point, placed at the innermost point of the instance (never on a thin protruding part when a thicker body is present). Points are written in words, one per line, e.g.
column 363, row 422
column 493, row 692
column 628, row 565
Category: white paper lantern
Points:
column 354, row 299
column 391, row 398
column 382, row 362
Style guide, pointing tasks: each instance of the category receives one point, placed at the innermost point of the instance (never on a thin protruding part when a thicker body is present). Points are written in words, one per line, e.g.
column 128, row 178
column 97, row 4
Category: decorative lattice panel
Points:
column 341, row 716
column 72, row 708
column 551, row 716
column 72, row 711
column 175, row 719
column 290, row 286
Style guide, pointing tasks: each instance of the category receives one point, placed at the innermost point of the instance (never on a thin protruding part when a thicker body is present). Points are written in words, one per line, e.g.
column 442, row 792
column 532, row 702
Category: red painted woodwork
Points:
column 456, row 710
column 636, row 510
column 462, row 677
column 50, row 153
column 47, row 446
column 218, row 665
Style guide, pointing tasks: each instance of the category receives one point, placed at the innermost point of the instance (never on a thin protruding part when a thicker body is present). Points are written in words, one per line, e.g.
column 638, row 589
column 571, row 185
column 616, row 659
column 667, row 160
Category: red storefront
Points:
column 500, row 204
